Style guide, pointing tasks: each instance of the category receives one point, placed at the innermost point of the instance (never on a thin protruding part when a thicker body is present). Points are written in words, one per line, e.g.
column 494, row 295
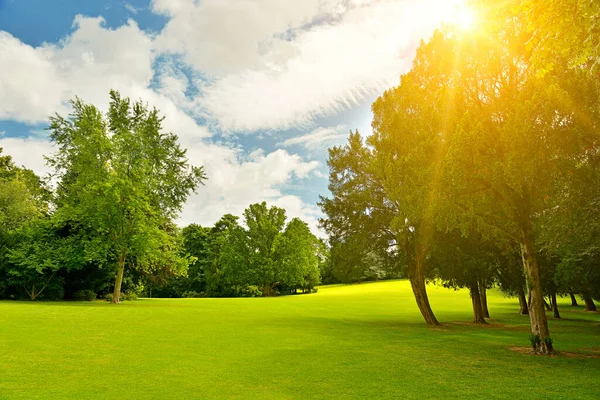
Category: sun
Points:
column 464, row 17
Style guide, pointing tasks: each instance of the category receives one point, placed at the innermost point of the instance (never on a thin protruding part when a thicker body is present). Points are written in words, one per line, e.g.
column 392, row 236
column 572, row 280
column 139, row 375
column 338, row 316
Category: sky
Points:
column 256, row 90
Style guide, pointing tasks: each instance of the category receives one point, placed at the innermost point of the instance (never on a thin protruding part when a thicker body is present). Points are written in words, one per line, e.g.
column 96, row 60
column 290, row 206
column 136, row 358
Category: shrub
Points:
column 191, row 294
column 84, row 295
column 250, row 291
column 314, row 290
column 129, row 296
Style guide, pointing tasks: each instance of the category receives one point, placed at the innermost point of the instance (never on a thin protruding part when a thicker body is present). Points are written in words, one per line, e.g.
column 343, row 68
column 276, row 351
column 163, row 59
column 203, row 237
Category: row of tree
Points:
column 264, row 257
column 484, row 163
column 103, row 221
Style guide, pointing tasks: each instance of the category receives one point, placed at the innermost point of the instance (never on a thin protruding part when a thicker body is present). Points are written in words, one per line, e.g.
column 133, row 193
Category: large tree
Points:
column 518, row 135
column 123, row 175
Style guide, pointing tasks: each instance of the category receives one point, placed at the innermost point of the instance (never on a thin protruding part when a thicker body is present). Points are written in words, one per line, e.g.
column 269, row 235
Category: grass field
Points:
column 359, row 341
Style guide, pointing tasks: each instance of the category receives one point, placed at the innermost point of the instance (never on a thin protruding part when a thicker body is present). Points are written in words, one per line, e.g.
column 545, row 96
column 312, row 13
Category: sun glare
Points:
column 464, row 18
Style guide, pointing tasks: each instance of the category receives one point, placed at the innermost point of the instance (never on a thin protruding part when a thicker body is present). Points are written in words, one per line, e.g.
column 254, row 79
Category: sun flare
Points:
column 464, row 18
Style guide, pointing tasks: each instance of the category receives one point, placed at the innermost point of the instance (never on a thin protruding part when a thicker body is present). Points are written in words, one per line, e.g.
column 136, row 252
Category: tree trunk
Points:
column 119, row 280
column 537, row 314
column 416, row 275
column 524, row 309
column 478, row 315
column 554, row 306
column 483, row 296
column 547, row 306
column 573, row 300
column 528, row 298
column 589, row 302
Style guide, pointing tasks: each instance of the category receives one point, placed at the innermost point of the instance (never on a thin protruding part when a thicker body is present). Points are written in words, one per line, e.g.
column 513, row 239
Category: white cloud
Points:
column 36, row 82
column 295, row 207
column 235, row 181
column 264, row 64
column 28, row 152
column 131, row 8
column 320, row 138
column 278, row 65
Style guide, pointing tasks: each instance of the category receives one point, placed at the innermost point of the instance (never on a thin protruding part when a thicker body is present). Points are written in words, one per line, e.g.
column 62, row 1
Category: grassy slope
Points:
column 347, row 341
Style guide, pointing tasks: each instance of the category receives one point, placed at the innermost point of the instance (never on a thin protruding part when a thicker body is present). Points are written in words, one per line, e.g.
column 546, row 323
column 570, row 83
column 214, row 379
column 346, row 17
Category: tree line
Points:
column 484, row 163
column 102, row 223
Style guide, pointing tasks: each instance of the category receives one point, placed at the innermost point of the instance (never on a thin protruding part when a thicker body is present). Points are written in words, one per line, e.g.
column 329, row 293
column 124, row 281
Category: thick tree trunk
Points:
column 589, row 302
column 523, row 308
column 573, row 300
column 542, row 342
column 118, row 281
column 483, row 296
column 528, row 298
column 478, row 315
column 554, row 306
column 416, row 275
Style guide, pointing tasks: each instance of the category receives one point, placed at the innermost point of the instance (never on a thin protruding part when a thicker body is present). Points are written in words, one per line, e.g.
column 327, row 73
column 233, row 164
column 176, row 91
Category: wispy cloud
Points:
column 319, row 138
column 284, row 65
column 131, row 8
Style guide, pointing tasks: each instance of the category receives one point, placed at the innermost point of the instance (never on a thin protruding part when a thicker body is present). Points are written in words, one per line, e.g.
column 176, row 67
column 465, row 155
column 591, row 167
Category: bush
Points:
column 250, row 291
column 314, row 290
column 129, row 296
column 191, row 294
column 84, row 295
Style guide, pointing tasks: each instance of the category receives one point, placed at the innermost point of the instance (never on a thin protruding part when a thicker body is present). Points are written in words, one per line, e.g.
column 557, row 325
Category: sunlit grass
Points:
column 358, row 341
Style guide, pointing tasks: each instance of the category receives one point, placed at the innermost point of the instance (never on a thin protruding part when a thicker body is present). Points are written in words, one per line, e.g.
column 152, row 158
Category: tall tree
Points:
column 124, row 175
column 518, row 135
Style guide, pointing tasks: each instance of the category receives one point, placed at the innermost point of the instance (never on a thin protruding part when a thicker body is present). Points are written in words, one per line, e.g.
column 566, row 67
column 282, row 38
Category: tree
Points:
column 23, row 201
column 121, row 174
column 296, row 258
column 518, row 136
column 221, row 236
column 466, row 261
column 264, row 227
column 568, row 29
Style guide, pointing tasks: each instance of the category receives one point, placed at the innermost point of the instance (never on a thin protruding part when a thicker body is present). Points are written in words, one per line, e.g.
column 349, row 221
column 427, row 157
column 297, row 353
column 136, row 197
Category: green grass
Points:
column 360, row 341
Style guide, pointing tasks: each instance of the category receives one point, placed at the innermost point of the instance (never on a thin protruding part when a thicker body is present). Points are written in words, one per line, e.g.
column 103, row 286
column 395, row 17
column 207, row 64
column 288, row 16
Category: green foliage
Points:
column 124, row 176
column 84, row 295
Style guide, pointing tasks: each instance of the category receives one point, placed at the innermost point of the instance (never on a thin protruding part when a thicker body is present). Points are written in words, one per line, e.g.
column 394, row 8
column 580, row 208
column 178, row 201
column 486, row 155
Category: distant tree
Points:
column 23, row 202
column 222, row 235
column 123, row 175
column 296, row 257
column 325, row 263
column 265, row 225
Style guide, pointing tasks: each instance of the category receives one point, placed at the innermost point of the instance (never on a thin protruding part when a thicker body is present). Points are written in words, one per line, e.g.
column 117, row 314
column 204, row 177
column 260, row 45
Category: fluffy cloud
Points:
column 28, row 152
column 39, row 81
column 235, row 181
column 277, row 65
column 251, row 65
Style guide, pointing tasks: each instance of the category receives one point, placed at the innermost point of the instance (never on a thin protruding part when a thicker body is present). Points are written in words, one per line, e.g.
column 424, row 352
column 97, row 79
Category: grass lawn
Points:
column 359, row 341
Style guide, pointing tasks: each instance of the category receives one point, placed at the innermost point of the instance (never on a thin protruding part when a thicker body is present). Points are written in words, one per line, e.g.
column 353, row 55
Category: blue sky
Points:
column 256, row 89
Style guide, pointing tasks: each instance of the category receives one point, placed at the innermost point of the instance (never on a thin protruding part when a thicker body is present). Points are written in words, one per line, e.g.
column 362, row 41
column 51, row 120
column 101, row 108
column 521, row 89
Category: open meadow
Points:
column 358, row 341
